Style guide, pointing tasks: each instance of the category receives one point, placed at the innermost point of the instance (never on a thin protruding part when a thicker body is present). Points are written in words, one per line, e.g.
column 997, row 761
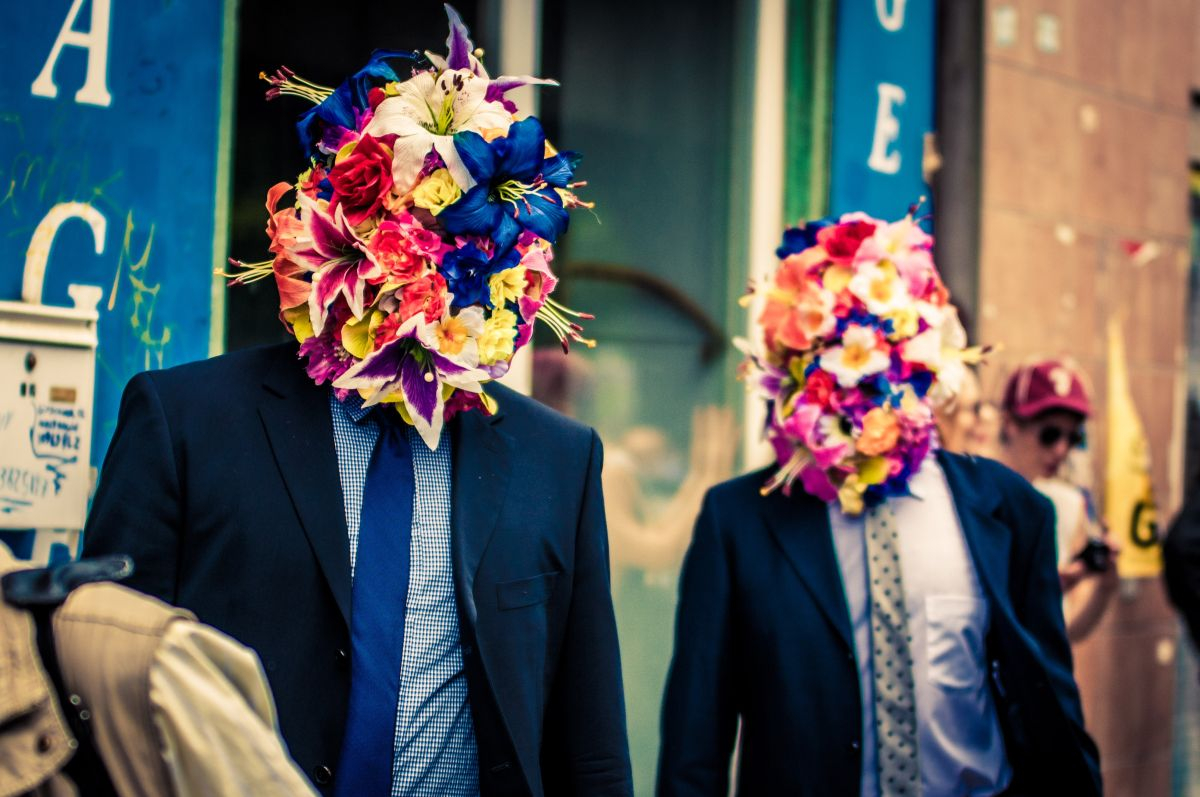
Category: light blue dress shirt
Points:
column 960, row 745
column 435, row 753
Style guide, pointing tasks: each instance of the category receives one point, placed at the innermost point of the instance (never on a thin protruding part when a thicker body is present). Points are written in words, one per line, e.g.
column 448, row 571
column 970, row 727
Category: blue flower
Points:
column 921, row 381
column 797, row 239
column 862, row 318
column 467, row 270
column 515, row 186
column 348, row 101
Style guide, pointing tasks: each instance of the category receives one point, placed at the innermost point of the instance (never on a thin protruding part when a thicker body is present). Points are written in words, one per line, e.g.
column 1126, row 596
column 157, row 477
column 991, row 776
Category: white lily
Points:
column 880, row 288
column 857, row 357
column 426, row 112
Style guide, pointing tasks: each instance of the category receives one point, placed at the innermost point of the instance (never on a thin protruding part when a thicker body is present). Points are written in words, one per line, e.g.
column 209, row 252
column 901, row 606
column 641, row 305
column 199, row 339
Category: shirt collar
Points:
column 352, row 405
column 921, row 485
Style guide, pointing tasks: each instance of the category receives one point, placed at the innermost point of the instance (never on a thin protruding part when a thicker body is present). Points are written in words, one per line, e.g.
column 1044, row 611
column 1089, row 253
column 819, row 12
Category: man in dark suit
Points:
column 227, row 481
column 773, row 631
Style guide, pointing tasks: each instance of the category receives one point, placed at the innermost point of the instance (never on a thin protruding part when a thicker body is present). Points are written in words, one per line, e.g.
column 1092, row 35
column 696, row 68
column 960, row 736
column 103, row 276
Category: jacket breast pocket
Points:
column 525, row 591
column 955, row 627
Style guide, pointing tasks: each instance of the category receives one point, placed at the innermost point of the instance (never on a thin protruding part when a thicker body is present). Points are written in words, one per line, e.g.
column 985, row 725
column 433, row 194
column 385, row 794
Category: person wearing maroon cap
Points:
column 1046, row 405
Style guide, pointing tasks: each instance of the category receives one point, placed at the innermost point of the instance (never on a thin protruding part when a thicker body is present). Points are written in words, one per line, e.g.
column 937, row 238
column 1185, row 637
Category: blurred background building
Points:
column 1055, row 142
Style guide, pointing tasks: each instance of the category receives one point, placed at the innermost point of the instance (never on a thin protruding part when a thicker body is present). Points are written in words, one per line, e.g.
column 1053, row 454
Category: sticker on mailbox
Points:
column 45, row 442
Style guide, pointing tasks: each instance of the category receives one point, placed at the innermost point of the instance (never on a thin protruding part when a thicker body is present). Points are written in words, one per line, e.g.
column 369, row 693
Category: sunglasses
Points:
column 1049, row 436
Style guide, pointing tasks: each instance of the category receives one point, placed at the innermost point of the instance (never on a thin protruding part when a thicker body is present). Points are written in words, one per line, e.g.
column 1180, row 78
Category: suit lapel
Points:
column 800, row 525
column 482, row 456
column 988, row 539
column 295, row 414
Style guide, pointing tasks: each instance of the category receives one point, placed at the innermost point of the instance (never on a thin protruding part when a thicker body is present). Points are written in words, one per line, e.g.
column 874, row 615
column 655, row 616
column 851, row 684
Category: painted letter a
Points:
column 95, row 41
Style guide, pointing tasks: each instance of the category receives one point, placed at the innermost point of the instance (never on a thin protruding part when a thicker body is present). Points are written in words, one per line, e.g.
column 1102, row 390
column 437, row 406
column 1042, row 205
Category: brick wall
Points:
column 1085, row 147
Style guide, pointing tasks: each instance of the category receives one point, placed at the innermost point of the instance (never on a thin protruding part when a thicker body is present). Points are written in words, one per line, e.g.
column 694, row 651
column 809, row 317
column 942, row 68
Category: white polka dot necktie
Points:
column 891, row 644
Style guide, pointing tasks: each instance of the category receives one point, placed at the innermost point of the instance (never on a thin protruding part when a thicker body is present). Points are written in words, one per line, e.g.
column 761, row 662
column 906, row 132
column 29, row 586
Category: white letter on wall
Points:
column 887, row 130
column 38, row 253
column 891, row 20
column 95, row 41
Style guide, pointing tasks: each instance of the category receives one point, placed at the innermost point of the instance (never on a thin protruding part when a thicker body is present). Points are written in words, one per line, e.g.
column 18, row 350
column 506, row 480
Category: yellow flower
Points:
column 904, row 323
column 507, row 286
column 358, row 337
column 909, row 401
column 496, row 342
column 850, row 495
column 837, row 278
column 797, row 366
column 300, row 322
column 436, row 192
column 451, row 335
column 873, row 471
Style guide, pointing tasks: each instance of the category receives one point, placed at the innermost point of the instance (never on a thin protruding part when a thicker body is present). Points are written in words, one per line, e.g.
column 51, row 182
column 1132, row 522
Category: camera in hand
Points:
column 1096, row 555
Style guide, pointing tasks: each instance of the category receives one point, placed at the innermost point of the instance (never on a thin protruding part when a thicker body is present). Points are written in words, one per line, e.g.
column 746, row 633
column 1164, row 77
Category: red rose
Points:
column 841, row 241
column 428, row 294
column 362, row 180
column 818, row 388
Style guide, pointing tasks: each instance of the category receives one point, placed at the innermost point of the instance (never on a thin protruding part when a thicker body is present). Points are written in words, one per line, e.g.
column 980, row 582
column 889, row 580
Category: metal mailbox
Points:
column 47, row 380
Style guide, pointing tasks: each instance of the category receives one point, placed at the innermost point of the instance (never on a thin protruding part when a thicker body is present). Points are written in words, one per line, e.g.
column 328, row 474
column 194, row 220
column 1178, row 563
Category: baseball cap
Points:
column 1046, row 385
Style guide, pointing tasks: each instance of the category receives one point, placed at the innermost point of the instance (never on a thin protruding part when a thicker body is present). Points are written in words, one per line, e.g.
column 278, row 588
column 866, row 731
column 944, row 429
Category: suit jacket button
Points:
column 322, row 775
column 468, row 649
column 341, row 656
column 855, row 745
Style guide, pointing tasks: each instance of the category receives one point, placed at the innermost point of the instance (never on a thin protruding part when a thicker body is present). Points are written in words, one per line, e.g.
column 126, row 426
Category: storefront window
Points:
column 648, row 97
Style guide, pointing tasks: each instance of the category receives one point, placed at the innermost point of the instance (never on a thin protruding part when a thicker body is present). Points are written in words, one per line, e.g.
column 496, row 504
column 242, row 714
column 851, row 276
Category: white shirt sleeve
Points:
column 216, row 719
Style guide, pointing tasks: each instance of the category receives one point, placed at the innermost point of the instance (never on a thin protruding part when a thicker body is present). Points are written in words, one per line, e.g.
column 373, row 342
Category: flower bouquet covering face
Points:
column 858, row 341
column 416, row 255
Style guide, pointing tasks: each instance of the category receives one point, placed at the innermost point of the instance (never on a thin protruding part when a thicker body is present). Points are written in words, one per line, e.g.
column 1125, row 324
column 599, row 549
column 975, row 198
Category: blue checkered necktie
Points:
column 377, row 615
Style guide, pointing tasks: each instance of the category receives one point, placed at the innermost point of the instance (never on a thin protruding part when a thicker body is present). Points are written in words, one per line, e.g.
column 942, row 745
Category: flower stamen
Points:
column 243, row 273
column 552, row 315
column 286, row 82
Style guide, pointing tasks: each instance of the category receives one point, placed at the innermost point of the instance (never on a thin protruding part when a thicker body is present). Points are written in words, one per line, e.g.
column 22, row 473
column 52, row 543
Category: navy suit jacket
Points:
column 764, row 634
column 222, row 483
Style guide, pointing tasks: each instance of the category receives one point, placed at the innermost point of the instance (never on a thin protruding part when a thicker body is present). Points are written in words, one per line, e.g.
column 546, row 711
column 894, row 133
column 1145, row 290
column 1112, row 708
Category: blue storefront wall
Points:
column 883, row 105
column 117, row 107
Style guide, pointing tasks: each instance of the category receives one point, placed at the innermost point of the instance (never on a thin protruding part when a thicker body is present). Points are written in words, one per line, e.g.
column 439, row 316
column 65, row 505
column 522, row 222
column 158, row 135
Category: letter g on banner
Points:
column 38, row 253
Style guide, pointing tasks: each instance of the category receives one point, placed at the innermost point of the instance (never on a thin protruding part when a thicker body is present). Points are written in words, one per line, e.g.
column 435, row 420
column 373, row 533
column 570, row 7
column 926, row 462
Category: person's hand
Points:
column 1110, row 578
column 1072, row 574
column 1077, row 571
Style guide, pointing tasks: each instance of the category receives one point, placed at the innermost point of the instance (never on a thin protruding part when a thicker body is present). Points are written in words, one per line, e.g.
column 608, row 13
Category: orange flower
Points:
column 880, row 432
column 797, row 314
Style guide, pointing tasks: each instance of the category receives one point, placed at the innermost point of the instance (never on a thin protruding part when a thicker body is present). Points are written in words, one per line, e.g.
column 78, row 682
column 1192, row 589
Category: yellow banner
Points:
column 1129, row 506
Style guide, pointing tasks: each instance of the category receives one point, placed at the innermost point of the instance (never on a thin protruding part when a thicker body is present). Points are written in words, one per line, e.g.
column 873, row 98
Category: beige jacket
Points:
column 34, row 741
column 175, row 707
